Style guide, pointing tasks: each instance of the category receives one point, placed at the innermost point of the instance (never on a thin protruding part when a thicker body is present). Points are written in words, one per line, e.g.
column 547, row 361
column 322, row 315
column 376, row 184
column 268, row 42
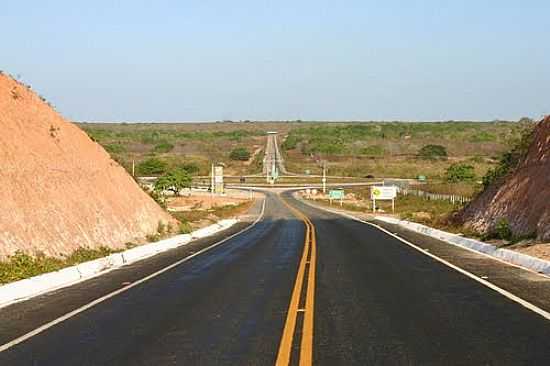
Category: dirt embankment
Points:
column 523, row 198
column 59, row 189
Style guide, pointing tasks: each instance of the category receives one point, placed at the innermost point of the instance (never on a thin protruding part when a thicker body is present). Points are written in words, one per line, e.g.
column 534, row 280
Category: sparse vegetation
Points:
column 509, row 160
column 22, row 265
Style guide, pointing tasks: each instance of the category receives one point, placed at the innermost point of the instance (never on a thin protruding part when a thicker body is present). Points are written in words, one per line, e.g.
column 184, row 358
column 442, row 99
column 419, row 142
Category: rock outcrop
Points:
column 59, row 190
column 523, row 197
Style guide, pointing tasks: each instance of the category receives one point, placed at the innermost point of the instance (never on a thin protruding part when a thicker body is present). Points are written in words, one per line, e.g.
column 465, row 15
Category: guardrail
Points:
column 453, row 198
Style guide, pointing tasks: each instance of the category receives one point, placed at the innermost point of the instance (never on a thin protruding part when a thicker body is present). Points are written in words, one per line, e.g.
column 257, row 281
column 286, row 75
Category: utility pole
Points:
column 324, row 176
column 212, row 180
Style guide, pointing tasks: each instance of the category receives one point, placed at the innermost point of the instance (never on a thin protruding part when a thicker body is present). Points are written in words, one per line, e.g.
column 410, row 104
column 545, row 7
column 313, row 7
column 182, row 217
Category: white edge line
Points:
column 492, row 286
column 97, row 301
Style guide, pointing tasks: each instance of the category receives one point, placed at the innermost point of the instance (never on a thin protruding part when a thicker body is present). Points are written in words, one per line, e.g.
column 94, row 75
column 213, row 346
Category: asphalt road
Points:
column 376, row 301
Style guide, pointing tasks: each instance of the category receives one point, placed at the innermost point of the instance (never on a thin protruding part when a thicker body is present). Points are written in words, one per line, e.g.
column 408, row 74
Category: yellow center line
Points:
column 306, row 346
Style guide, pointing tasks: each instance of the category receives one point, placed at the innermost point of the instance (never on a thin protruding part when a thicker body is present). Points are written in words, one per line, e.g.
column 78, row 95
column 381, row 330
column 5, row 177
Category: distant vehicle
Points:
column 242, row 180
column 369, row 176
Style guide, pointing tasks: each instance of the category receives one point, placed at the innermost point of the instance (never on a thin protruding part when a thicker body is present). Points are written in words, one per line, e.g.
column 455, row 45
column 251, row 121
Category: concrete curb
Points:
column 34, row 286
column 506, row 255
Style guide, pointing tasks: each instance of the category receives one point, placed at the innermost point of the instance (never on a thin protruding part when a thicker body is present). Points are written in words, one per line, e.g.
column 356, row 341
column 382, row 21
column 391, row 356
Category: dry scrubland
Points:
column 181, row 144
column 351, row 149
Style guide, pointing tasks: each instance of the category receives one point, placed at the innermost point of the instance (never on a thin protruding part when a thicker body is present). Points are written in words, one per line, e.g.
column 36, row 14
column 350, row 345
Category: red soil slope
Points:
column 59, row 189
column 523, row 198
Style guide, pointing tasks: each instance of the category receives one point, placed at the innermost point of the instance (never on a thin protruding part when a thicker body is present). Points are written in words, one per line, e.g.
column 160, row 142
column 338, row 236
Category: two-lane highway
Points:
column 302, row 286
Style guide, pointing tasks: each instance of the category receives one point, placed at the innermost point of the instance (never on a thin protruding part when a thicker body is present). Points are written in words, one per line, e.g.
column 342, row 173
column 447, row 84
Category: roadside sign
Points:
column 336, row 194
column 383, row 193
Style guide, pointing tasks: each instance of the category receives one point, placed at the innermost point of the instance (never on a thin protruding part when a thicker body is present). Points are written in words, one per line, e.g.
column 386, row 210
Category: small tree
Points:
column 460, row 173
column 152, row 166
column 239, row 153
column 432, row 152
column 173, row 181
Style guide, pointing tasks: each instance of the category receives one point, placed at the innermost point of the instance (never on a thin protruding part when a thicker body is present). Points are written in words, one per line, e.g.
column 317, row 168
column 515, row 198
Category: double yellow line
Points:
column 306, row 270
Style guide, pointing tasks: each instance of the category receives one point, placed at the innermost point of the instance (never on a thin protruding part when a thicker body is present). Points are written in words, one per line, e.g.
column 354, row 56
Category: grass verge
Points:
column 21, row 265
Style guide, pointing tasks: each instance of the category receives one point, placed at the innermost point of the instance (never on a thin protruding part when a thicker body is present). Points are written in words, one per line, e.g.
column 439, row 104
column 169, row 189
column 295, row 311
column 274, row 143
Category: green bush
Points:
column 185, row 227
column 152, row 166
column 460, row 173
column 432, row 152
column 502, row 229
column 240, row 153
column 163, row 147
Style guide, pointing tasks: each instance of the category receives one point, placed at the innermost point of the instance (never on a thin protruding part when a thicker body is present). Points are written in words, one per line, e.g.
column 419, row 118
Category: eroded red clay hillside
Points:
column 59, row 189
column 523, row 198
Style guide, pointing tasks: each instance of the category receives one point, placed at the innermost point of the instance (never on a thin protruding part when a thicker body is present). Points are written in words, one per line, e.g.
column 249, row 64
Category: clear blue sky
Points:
column 107, row 60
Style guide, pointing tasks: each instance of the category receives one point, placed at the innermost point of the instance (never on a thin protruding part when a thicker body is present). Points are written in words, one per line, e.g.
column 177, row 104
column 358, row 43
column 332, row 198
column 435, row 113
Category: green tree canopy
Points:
column 152, row 166
column 174, row 181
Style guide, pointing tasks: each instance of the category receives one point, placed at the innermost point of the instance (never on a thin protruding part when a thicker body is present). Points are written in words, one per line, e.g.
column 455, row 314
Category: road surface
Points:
column 300, row 285
column 273, row 157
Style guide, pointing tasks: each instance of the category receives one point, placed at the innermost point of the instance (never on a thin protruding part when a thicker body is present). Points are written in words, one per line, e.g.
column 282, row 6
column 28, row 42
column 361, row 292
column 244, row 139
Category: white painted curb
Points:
column 34, row 286
column 506, row 255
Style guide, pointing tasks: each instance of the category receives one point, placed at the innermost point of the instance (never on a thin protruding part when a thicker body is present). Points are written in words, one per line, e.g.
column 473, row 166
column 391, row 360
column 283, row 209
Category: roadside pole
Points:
column 324, row 177
column 212, row 181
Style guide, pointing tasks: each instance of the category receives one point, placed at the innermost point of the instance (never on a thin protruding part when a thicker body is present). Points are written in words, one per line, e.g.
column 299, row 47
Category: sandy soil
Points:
column 205, row 201
column 536, row 250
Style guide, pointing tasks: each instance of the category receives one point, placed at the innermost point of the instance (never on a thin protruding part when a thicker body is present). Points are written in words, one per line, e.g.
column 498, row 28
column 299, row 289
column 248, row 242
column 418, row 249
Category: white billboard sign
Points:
column 383, row 192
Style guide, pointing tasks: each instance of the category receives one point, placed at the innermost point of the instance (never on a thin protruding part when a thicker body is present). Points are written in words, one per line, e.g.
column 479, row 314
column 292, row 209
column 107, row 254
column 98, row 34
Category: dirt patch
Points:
column 203, row 201
column 536, row 250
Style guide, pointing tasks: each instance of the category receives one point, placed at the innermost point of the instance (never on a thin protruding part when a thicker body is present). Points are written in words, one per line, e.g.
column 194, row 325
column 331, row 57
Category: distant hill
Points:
column 522, row 197
column 59, row 189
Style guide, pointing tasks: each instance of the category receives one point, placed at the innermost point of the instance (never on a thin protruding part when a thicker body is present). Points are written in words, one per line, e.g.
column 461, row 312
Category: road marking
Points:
column 545, row 314
column 306, row 346
column 97, row 301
